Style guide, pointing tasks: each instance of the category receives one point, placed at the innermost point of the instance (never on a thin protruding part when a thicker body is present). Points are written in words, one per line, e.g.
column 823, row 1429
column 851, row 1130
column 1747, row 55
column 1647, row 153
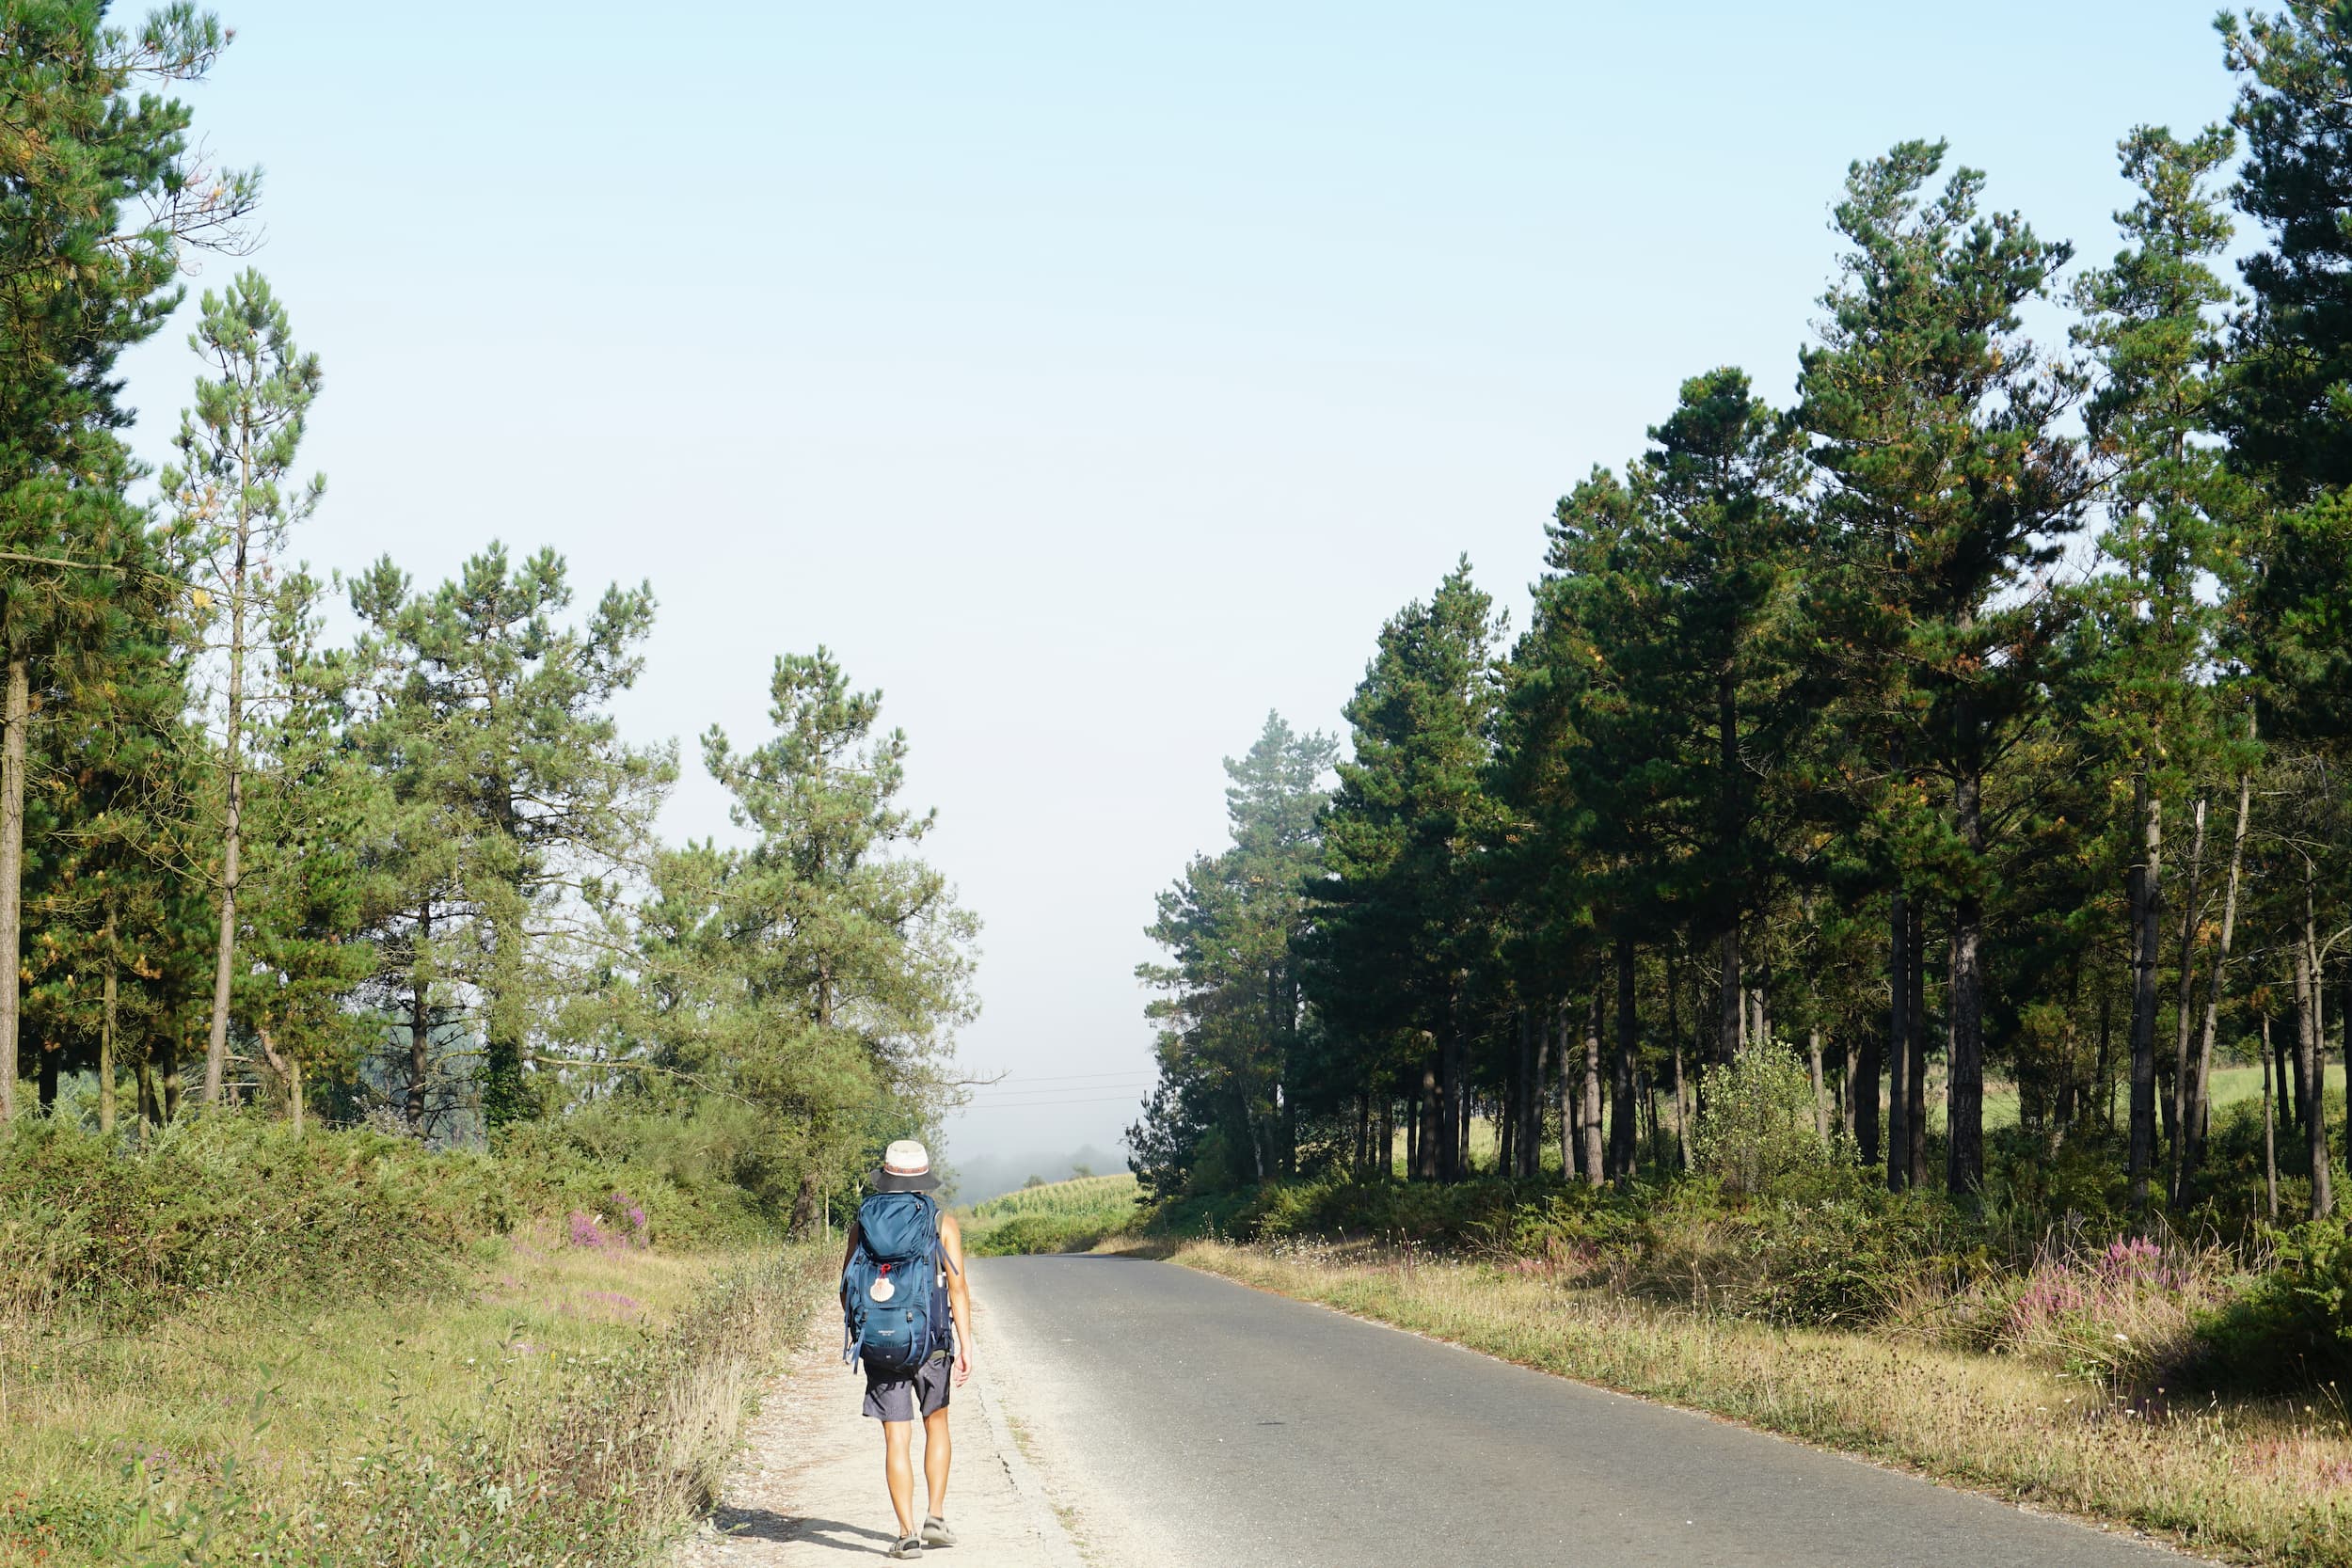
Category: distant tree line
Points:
column 1981, row 719
column 411, row 877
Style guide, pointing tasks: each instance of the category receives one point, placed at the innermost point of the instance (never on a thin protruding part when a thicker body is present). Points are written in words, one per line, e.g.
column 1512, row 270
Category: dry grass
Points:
column 2246, row 1482
column 324, row 1420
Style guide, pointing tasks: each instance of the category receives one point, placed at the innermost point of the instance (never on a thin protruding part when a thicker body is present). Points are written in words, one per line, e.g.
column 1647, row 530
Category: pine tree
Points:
column 116, row 779
column 87, row 135
column 229, row 489
column 1722, row 484
column 512, row 791
column 2149, row 323
column 821, row 973
column 1400, row 909
column 1936, row 426
column 2289, row 413
column 1230, row 1026
column 315, row 878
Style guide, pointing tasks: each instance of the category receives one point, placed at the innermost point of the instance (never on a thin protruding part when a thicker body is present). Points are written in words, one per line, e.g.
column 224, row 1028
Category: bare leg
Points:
column 899, row 1467
column 937, row 1452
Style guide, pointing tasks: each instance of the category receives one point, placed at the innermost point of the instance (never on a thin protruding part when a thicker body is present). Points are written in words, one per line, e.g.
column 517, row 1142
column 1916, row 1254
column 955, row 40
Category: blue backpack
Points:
column 893, row 1292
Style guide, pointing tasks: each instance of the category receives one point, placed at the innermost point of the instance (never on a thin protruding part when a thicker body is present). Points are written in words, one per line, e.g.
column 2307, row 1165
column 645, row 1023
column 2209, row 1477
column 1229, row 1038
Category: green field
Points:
column 1056, row 1216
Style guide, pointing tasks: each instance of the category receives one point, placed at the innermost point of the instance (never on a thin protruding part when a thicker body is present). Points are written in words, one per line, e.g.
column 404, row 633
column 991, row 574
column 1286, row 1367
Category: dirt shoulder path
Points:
column 807, row 1484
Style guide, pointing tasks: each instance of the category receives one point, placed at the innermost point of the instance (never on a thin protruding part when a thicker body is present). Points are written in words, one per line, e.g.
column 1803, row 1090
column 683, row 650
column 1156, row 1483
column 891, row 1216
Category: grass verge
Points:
column 566, row 1406
column 226, row 1342
column 2249, row 1480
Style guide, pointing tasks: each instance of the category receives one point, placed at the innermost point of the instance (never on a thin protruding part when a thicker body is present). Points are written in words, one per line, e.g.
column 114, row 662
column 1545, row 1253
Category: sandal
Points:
column 911, row 1547
column 935, row 1531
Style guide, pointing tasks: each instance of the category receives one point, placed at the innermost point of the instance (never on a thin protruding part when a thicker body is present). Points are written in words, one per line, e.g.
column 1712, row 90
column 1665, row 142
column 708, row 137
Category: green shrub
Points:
column 2293, row 1326
column 230, row 1204
column 1755, row 1128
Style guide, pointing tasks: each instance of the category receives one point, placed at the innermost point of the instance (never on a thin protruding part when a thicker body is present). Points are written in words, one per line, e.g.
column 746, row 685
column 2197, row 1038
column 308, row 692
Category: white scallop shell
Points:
column 882, row 1290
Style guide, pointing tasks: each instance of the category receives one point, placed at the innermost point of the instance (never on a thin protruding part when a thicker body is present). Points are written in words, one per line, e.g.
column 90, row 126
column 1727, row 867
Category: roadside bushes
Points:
column 230, row 1204
column 225, row 1205
column 2293, row 1327
column 1824, row 1246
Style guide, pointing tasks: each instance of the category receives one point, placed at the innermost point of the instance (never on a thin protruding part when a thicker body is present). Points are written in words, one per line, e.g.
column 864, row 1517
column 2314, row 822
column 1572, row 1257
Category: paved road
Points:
column 1192, row 1421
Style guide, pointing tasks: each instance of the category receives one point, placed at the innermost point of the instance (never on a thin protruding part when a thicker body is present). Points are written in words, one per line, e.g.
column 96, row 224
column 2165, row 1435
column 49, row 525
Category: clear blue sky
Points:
column 1091, row 378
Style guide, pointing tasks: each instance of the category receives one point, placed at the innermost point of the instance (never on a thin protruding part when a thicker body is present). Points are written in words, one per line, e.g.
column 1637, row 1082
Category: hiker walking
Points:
column 907, row 1317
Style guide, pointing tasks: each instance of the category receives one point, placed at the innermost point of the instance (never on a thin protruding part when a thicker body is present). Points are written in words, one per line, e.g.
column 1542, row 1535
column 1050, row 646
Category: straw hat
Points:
column 906, row 1168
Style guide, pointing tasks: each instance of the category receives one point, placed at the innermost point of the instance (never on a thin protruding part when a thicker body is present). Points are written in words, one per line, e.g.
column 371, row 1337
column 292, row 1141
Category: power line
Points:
column 1065, row 1077
column 985, row 1091
column 1042, row 1104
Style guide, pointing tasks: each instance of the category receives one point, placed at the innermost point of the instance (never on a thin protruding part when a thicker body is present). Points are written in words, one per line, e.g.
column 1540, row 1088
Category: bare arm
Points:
column 850, row 1251
column 959, row 1292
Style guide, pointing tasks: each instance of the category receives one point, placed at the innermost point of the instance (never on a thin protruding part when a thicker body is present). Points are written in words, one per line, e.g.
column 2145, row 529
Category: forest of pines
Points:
column 1982, row 721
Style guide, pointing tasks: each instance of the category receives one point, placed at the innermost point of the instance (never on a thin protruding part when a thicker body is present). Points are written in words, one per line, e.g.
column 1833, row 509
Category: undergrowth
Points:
column 1776, row 1225
column 236, row 1344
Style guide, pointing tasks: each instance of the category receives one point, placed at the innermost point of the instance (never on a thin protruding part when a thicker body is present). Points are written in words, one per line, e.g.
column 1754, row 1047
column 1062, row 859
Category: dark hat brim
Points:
column 889, row 1182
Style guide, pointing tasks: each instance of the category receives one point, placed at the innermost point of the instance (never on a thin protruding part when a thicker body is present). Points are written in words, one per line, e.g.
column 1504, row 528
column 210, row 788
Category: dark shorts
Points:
column 901, row 1397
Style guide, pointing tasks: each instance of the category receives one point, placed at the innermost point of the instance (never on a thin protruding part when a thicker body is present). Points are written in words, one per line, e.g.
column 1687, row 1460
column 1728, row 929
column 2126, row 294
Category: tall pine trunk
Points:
column 1916, row 1075
column 2270, row 1122
column 2310, row 1065
column 1432, row 1114
column 1862, row 1097
column 1732, row 1021
column 2200, row 1104
column 420, row 1023
column 225, row 948
column 1963, row 1090
column 1899, row 1044
column 1588, row 1112
column 1624, row 1131
column 1570, row 1094
column 1682, row 1094
column 1820, row 1086
column 1727, row 831
column 1450, row 1062
column 2176, row 1103
column 2147, row 901
column 1413, row 1137
column 18, row 715
column 2290, row 1084
column 1532, row 1147
column 107, row 1009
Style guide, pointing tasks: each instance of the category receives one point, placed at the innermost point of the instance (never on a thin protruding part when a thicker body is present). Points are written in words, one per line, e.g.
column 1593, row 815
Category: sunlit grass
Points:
column 276, row 1410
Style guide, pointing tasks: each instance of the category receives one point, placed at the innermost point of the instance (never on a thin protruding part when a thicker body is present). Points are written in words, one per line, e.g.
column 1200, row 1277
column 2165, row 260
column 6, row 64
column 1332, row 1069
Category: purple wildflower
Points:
column 630, row 1214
